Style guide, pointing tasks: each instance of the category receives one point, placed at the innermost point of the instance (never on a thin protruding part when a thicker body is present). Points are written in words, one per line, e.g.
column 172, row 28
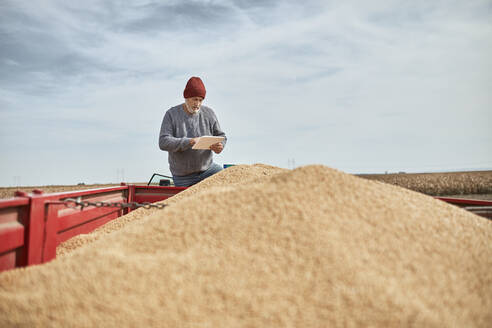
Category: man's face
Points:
column 194, row 103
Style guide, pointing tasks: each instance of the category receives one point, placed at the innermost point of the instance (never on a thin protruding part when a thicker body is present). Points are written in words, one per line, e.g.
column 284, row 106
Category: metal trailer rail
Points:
column 476, row 206
column 33, row 225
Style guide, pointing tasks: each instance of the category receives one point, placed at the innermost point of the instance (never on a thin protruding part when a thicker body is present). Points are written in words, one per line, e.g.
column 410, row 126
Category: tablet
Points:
column 206, row 141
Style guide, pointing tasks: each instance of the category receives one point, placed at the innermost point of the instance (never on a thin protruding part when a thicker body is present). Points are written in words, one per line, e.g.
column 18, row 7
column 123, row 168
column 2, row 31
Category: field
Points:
column 476, row 184
column 7, row 192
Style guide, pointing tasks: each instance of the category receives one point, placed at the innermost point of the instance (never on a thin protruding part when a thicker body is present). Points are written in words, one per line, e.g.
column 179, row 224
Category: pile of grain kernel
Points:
column 309, row 247
column 241, row 174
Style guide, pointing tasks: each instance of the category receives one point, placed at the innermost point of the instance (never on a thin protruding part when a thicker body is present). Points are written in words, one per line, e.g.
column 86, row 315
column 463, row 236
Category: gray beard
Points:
column 191, row 111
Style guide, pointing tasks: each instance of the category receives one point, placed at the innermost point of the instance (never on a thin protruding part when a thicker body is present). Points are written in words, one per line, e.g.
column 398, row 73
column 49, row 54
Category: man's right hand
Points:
column 193, row 141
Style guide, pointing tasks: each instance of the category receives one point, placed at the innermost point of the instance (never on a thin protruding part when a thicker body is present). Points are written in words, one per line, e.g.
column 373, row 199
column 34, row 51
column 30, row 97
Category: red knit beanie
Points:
column 194, row 88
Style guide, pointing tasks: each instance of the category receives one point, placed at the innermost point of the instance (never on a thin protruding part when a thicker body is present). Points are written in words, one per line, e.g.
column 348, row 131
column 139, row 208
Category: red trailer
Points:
column 33, row 225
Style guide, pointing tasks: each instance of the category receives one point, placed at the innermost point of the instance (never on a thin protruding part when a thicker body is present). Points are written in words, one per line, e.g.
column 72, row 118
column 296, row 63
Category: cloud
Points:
column 353, row 85
column 182, row 16
column 38, row 55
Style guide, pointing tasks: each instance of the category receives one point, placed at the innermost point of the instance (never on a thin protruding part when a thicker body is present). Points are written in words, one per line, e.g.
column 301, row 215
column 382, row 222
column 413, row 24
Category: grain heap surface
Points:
column 310, row 247
column 243, row 174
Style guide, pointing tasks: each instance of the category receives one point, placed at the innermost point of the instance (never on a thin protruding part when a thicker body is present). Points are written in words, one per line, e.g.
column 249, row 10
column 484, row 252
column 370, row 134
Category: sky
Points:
column 360, row 86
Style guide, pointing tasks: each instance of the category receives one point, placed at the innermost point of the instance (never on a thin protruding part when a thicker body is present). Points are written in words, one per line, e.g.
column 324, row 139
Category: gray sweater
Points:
column 177, row 128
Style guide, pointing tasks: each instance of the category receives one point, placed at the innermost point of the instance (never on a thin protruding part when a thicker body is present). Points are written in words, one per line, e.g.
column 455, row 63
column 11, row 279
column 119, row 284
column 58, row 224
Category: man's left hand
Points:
column 217, row 148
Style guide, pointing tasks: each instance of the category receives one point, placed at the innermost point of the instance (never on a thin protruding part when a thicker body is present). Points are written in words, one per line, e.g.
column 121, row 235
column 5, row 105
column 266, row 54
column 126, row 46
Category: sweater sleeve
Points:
column 217, row 131
column 167, row 141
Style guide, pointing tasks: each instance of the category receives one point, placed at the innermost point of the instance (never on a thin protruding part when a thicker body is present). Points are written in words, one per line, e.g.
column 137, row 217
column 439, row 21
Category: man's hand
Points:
column 217, row 148
column 193, row 141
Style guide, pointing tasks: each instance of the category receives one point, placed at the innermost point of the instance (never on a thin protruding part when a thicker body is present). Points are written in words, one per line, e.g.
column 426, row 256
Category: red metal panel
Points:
column 87, row 227
column 35, row 231
column 159, row 188
column 465, row 202
column 131, row 197
column 11, row 235
column 80, row 217
column 13, row 202
column 149, row 199
column 12, row 253
column 66, row 211
column 77, row 193
column 477, row 206
column 153, row 194
column 13, row 215
column 50, row 232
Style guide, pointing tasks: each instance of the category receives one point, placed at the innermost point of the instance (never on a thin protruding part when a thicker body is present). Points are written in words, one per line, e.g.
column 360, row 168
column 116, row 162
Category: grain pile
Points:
column 241, row 174
column 310, row 247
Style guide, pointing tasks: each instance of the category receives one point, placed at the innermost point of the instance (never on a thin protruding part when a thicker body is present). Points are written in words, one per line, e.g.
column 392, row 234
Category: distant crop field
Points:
column 8, row 192
column 440, row 184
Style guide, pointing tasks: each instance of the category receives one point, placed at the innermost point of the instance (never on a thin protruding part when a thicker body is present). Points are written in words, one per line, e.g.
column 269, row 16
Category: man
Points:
column 181, row 126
